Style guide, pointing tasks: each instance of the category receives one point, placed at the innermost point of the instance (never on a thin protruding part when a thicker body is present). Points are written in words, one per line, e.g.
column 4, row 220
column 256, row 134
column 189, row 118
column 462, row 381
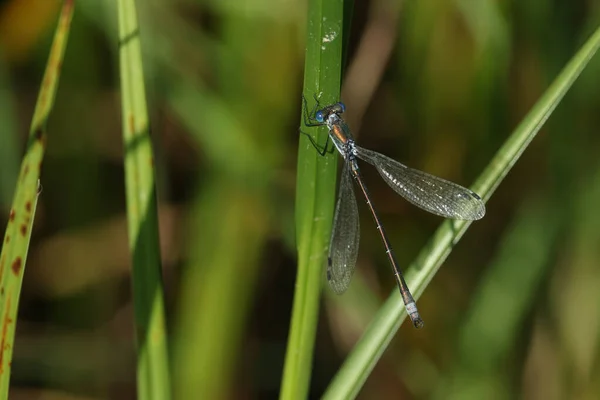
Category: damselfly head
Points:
column 337, row 108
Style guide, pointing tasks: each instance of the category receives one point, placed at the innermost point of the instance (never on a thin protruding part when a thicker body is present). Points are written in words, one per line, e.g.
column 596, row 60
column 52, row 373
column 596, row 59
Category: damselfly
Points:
column 433, row 194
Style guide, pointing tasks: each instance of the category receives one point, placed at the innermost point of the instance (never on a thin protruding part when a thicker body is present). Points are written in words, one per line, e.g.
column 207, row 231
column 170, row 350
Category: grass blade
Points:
column 315, row 191
column 22, row 213
column 142, row 219
column 384, row 326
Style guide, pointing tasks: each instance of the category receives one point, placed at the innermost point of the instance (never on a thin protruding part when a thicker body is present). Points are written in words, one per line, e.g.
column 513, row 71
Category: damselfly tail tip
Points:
column 417, row 321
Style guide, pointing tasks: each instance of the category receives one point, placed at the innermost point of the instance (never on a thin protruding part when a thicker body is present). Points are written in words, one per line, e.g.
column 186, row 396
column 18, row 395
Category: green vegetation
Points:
column 171, row 153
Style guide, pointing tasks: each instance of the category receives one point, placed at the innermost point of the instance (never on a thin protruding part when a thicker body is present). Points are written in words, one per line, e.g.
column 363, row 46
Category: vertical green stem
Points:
column 142, row 219
column 315, row 192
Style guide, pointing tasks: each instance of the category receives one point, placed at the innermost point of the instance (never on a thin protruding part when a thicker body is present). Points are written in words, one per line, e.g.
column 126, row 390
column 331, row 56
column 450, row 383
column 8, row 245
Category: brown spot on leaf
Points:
column 12, row 215
column 17, row 265
column 39, row 134
column 6, row 321
column 67, row 9
column 23, row 229
column 131, row 124
column 46, row 83
column 7, row 239
column 28, row 206
column 25, row 170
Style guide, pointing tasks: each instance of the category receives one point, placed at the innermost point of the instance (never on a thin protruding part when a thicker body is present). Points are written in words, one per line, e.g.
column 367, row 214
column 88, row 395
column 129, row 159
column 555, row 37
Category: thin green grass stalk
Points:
column 217, row 289
column 384, row 326
column 315, row 192
column 22, row 213
column 142, row 219
column 229, row 125
column 207, row 339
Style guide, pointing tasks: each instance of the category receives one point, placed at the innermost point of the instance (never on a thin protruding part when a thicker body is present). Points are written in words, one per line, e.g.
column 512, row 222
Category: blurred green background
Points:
column 435, row 84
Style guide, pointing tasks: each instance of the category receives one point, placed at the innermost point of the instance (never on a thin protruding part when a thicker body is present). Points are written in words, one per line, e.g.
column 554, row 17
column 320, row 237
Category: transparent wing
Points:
column 433, row 194
column 343, row 247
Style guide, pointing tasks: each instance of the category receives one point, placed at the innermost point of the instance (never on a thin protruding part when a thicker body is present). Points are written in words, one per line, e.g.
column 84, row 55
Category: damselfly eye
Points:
column 339, row 108
column 319, row 116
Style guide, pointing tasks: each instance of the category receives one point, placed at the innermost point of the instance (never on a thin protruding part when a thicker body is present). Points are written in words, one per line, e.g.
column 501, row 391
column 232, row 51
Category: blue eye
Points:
column 338, row 108
column 319, row 116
